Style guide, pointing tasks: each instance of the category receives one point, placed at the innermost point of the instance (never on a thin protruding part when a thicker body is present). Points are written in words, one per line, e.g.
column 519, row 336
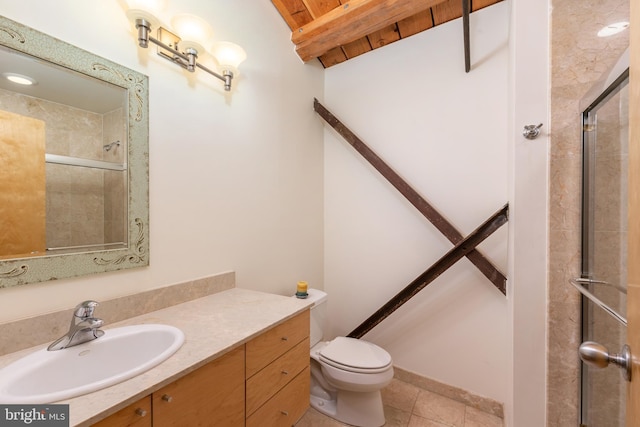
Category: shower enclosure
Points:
column 605, row 124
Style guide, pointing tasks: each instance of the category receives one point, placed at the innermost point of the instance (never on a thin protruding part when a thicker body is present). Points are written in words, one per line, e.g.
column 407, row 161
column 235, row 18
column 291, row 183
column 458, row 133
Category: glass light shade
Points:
column 194, row 31
column 229, row 55
column 145, row 9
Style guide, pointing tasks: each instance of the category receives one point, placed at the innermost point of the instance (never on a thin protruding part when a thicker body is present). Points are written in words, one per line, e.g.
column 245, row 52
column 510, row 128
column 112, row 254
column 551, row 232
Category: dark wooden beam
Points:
column 450, row 258
column 465, row 29
column 446, row 228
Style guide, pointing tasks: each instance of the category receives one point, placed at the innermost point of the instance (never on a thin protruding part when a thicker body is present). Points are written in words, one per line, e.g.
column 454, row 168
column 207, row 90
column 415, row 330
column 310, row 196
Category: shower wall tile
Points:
column 115, row 227
column 77, row 209
column 565, row 196
column 578, row 60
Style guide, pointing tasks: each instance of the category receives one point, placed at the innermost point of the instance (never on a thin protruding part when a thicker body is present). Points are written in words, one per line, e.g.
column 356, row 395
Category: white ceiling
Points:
column 58, row 84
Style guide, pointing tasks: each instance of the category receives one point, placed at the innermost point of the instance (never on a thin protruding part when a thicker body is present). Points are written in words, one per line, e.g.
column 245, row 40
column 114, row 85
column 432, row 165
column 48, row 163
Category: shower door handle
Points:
column 597, row 355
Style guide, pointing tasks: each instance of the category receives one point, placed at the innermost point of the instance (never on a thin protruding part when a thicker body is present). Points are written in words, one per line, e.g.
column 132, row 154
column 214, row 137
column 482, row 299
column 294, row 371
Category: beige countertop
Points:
column 213, row 325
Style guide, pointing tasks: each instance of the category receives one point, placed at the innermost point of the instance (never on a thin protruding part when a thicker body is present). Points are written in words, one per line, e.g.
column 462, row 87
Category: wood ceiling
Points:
column 335, row 31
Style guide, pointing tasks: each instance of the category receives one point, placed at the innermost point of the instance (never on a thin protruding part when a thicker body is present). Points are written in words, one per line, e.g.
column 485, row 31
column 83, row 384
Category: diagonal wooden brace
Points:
column 450, row 258
column 445, row 227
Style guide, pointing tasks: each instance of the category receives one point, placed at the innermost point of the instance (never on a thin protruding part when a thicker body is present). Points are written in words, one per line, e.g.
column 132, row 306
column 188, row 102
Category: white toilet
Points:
column 347, row 374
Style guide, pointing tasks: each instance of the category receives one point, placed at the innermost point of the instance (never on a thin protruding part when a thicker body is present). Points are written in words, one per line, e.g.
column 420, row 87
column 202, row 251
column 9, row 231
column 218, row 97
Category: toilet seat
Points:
column 354, row 355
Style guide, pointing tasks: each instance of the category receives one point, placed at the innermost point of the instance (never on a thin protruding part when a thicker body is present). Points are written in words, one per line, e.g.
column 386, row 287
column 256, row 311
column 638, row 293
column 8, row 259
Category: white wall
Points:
column 528, row 199
column 235, row 181
column 445, row 132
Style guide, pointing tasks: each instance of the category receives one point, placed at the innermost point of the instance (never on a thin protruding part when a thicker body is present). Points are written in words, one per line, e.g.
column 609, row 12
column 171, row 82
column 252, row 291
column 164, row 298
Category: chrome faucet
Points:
column 84, row 327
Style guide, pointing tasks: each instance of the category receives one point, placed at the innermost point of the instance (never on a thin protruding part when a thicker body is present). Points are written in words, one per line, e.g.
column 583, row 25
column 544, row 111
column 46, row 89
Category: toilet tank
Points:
column 318, row 315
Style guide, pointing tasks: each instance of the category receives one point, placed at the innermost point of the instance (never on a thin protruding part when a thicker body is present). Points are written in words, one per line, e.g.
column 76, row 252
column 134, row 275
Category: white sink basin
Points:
column 121, row 353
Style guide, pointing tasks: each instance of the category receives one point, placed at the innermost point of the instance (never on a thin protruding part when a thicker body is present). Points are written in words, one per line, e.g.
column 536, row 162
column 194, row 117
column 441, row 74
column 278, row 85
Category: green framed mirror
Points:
column 74, row 161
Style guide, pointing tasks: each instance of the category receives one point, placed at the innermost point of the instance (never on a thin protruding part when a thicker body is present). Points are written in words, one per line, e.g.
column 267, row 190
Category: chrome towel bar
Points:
column 579, row 283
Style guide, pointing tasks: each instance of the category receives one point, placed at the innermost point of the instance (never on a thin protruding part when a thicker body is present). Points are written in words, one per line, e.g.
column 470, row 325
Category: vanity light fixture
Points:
column 185, row 44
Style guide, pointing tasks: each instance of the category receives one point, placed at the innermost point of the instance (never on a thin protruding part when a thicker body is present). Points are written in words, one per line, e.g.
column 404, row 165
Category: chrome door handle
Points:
column 597, row 355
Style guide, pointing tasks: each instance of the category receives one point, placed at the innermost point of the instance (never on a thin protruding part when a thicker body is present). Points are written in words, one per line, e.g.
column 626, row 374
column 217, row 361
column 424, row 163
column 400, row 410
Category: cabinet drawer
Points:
column 267, row 347
column 286, row 407
column 137, row 414
column 263, row 385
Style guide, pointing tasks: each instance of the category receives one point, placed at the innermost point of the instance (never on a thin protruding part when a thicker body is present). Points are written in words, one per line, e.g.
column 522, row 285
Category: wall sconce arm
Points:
column 187, row 60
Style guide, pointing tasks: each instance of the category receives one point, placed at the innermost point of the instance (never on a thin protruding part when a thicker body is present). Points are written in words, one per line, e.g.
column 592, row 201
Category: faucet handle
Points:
column 85, row 309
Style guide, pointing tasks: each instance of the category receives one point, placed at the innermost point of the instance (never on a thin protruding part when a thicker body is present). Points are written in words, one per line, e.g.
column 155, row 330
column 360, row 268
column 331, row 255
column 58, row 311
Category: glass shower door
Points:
column 604, row 247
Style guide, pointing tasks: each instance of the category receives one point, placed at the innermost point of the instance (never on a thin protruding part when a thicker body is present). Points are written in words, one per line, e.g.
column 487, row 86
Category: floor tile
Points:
column 417, row 421
column 477, row 418
column 406, row 405
column 313, row 418
column 400, row 395
column 396, row 417
column 435, row 407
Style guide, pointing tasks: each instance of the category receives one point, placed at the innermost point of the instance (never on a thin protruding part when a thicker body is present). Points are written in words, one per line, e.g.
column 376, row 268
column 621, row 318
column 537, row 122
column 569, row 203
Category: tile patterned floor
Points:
column 406, row 405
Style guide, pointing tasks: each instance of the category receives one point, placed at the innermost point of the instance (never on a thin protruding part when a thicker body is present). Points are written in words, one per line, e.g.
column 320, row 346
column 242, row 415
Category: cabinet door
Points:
column 137, row 414
column 212, row 395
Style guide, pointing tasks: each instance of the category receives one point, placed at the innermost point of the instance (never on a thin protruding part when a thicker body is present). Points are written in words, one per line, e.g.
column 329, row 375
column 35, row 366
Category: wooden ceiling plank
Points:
column 357, row 47
column 447, row 11
column 480, row 4
column 351, row 21
column 318, row 8
column 294, row 12
column 388, row 34
column 415, row 23
column 333, row 57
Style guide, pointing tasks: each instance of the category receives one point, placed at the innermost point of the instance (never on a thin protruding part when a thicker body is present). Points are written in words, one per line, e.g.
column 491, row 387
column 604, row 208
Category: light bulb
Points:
column 194, row 31
column 229, row 55
column 145, row 9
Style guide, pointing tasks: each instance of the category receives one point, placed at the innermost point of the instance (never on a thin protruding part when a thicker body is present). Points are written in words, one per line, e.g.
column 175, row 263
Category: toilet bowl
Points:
column 347, row 374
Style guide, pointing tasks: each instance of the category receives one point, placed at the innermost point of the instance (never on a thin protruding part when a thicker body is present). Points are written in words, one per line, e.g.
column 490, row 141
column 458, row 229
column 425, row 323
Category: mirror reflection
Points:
column 62, row 159
column 74, row 178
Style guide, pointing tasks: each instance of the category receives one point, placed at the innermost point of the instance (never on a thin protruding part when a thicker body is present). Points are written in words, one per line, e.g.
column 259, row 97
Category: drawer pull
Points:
column 284, row 339
column 286, row 413
column 167, row 398
column 285, row 372
column 141, row 412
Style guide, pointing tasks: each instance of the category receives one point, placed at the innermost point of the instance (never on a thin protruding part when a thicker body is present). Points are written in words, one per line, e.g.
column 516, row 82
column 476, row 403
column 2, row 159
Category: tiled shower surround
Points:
column 83, row 205
column 578, row 60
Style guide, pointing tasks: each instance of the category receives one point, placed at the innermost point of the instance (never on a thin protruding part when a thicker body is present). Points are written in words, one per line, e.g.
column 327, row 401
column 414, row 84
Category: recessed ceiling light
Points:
column 19, row 79
column 612, row 29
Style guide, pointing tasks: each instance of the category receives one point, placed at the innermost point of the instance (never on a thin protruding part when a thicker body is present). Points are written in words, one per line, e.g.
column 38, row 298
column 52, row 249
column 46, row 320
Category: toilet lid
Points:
column 354, row 353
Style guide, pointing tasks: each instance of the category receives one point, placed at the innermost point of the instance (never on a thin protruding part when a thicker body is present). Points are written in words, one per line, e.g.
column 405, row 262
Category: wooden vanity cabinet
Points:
column 212, row 395
column 264, row 383
column 277, row 371
column 138, row 414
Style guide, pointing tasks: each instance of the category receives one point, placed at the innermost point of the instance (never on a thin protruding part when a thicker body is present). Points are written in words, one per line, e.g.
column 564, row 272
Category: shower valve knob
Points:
column 531, row 131
column 597, row 355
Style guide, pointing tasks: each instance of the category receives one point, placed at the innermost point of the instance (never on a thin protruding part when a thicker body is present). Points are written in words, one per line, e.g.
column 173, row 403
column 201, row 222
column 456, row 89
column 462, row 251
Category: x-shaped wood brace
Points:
column 463, row 246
